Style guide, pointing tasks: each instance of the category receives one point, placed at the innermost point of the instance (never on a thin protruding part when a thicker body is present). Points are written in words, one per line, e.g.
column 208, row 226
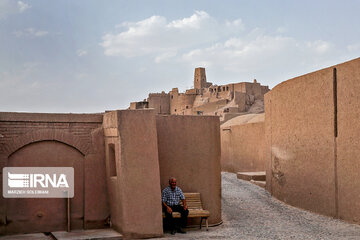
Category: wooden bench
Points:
column 195, row 209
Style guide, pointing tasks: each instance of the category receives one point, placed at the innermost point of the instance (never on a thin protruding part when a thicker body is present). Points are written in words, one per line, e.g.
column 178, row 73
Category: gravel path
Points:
column 249, row 212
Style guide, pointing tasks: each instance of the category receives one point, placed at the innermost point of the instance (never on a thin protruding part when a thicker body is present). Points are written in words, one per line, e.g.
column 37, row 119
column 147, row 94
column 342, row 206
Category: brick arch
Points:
column 46, row 135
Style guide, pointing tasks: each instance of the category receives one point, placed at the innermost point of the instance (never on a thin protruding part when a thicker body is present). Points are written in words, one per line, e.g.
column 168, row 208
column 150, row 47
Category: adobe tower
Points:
column 199, row 78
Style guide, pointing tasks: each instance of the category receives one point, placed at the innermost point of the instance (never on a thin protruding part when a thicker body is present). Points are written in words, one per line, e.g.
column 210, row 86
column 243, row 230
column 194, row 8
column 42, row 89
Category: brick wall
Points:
column 80, row 131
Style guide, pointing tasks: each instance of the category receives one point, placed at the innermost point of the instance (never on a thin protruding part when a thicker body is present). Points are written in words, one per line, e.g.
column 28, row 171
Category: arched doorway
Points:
column 46, row 214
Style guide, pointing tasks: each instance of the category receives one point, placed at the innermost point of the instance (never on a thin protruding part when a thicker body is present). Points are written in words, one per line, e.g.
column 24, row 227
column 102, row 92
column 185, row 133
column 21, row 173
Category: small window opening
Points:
column 112, row 160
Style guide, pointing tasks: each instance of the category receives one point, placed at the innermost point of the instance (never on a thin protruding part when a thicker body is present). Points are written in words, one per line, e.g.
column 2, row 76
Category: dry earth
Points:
column 249, row 212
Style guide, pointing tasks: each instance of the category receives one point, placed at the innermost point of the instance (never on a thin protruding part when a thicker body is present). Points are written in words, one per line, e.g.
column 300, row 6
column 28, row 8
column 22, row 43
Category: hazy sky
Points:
column 92, row 56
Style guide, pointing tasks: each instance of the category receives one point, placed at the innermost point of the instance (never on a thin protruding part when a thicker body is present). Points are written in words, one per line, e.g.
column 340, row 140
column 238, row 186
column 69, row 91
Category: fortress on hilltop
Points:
column 226, row 101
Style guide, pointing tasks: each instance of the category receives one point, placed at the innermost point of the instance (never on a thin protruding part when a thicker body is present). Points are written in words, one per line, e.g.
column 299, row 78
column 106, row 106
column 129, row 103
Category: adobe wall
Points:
column 132, row 105
column 242, row 147
column 224, row 94
column 312, row 141
column 189, row 149
column 227, row 163
column 181, row 104
column 160, row 102
column 228, row 116
column 254, row 89
column 210, row 107
column 139, row 105
column 264, row 89
column 239, row 87
column 215, row 92
column 54, row 140
column 192, row 91
column 133, row 172
column 240, row 100
column 302, row 142
column 348, row 140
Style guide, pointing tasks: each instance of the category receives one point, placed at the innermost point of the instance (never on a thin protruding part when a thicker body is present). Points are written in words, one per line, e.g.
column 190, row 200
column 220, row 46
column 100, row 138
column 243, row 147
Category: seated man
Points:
column 171, row 197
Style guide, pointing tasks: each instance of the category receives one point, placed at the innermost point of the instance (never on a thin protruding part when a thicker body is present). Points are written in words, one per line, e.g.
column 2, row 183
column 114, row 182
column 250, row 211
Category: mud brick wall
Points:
column 189, row 149
column 242, row 147
column 44, row 134
column 312, row 141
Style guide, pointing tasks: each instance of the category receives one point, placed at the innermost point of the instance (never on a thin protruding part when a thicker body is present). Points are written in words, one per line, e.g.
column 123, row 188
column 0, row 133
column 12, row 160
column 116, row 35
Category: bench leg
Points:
column 201, row 222
column 207, row 224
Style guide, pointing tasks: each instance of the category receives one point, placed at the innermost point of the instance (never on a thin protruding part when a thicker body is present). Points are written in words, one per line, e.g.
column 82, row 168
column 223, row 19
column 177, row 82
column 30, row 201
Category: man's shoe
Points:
column 173, row 232
column 181, row 230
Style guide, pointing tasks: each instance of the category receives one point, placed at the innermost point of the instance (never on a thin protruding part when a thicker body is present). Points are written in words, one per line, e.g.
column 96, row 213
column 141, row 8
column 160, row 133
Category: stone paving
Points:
column 249, row 212
column 92, row 234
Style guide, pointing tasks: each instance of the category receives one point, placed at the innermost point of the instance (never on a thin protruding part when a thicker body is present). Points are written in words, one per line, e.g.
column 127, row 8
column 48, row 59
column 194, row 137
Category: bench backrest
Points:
column 193, row 200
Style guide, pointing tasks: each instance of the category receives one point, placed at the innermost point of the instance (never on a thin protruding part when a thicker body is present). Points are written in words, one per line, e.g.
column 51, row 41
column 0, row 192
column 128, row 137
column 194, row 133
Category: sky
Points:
column 91, row 56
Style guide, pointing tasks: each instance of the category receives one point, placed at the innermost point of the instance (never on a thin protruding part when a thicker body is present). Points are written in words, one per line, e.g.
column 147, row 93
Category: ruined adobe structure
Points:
column 312, row 141
column 242, row 147
column 121, row 159
column 226, row 101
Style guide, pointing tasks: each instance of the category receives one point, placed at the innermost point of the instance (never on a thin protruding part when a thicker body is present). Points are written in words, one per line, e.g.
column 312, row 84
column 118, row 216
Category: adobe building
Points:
column 160, row 102
column 312, row 141
column 139, row 105
column 121, row 159
column 226, row 101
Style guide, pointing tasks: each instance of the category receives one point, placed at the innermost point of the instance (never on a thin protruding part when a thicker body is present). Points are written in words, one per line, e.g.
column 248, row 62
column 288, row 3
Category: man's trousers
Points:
column 172, row 221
